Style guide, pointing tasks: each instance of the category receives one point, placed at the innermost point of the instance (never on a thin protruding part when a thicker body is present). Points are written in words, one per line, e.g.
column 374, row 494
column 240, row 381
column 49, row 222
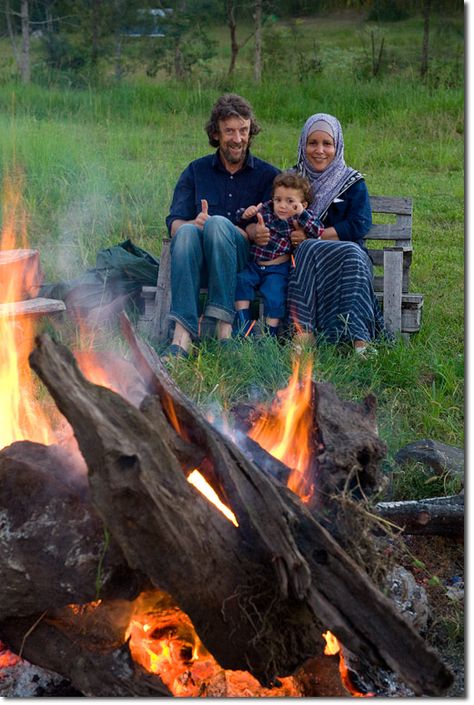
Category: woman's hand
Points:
column 297, row 237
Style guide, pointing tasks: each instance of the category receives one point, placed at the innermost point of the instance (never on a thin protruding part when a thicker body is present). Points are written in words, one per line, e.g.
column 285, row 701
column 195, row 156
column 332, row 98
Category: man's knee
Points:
column 217, row 225
column 185, row 239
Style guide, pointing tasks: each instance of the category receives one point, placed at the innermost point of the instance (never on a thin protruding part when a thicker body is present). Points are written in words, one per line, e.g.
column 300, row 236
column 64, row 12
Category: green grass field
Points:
column 100, row 165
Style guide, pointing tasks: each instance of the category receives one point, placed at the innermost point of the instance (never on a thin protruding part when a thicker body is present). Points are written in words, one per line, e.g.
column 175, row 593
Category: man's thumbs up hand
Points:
column 203, row 215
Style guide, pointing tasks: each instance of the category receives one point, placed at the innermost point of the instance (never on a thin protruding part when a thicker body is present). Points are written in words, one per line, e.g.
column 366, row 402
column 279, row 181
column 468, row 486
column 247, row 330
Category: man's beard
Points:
column 233, row 158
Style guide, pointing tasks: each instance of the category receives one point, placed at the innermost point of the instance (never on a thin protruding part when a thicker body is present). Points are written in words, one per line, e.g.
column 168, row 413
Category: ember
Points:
column 163, row 641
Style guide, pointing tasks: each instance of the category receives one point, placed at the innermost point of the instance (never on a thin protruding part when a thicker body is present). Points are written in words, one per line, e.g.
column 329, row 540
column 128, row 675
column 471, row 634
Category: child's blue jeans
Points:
column 271, row 281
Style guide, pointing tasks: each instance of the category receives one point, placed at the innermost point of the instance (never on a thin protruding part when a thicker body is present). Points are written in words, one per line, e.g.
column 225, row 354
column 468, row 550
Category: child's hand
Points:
column 262, row 233
column 251, row 212
column 203, row 215
column 298, row 208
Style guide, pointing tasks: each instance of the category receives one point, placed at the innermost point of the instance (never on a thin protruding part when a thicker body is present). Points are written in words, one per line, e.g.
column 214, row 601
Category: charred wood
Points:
column 52, row 542
column 96, row 672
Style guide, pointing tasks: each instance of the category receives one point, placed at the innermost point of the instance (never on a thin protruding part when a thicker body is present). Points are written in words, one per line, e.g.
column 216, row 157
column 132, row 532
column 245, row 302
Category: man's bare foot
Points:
column 181, row 337
column 223, row 330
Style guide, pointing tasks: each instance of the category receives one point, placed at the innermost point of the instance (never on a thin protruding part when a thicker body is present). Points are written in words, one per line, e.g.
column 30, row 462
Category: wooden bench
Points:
column 390, row 249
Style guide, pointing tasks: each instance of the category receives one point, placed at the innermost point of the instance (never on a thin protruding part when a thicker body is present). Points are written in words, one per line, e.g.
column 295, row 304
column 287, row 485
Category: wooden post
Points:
column 392, row 288
column 159, row 326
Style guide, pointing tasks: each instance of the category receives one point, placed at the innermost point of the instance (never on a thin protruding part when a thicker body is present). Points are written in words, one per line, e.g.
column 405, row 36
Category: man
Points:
column 207, row 247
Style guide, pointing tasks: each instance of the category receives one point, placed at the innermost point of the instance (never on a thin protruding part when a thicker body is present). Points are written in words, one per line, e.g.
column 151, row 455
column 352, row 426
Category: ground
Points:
column 438, row 564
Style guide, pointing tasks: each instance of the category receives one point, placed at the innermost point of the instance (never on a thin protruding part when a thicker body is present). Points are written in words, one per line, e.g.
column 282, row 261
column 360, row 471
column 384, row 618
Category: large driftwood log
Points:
column 258, row 595
column 52, row 542
column 441, row 516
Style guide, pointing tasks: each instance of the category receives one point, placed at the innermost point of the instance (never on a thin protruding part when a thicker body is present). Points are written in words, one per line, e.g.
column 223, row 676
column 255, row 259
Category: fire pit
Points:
column 122, row 577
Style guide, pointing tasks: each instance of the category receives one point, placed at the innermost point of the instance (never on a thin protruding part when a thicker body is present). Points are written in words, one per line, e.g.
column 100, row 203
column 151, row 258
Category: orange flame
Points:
column 285, row 430
column 167, row 644
column 200, row 483
column 22, row 417
column 332, row 648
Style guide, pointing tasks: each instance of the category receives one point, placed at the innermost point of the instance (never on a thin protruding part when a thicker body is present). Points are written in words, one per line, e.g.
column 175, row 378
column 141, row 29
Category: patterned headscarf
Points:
column 326, row 184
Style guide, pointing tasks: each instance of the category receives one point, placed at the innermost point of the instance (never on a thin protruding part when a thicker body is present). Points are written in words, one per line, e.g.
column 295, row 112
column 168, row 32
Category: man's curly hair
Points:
column 228, row 106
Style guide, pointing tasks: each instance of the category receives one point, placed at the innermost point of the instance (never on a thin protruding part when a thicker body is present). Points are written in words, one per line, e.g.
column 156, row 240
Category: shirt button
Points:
column 230, row 195
column 231, row 177
column 228, row 212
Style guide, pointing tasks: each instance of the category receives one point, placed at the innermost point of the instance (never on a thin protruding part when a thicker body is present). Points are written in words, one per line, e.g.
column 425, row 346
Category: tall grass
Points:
column 101, row 164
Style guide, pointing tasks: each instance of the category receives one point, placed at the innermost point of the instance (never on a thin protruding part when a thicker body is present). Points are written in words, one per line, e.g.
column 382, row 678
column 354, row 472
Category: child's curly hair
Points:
column 291, row 179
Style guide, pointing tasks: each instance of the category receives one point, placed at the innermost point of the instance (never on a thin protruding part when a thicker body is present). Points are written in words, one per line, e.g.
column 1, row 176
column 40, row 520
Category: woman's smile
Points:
column 320, row 150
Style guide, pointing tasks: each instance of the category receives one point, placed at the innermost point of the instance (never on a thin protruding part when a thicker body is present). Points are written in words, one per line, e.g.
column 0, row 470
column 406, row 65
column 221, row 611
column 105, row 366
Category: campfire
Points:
column 165, row 557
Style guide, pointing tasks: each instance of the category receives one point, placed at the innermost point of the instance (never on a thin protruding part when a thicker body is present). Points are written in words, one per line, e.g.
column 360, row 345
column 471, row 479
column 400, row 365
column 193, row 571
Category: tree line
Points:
column 76, row 35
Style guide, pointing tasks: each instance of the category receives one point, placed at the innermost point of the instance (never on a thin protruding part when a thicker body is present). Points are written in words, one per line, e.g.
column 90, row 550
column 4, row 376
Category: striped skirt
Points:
column 331, row 292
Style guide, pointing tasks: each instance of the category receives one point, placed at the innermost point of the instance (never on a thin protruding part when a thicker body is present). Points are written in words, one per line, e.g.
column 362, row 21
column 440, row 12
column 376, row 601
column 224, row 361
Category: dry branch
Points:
column 441, row 516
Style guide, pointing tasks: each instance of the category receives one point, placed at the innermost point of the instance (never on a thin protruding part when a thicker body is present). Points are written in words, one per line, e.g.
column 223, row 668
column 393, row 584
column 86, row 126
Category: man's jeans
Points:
column 210, row 258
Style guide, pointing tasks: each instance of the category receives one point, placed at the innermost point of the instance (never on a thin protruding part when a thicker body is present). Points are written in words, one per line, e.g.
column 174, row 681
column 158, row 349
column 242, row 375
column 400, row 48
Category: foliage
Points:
column 284, row 52
column 389, row 11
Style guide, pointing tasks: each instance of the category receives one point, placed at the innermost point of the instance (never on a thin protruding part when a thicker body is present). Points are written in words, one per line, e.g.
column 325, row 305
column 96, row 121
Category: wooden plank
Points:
column 392, row 289
column 412, row 309
column 159, row 324
column 377, row 257
column 386, row 204
column 408, row 300
column 404, row 221
column 389, row 231
column 31, row 307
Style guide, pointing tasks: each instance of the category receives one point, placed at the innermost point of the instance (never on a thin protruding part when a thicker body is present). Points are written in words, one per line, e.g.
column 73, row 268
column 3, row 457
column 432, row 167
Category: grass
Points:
column 100, row 165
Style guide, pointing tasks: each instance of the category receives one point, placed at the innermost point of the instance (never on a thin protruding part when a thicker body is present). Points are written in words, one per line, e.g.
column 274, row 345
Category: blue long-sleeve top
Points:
column 350, row 214
column 207, row 178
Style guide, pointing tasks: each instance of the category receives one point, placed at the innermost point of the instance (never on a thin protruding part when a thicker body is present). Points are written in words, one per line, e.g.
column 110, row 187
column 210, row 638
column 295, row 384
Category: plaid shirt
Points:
column 280, row 231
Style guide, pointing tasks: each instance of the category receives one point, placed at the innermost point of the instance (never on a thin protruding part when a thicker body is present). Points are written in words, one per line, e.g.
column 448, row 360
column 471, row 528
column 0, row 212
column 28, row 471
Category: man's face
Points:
column 233, row 136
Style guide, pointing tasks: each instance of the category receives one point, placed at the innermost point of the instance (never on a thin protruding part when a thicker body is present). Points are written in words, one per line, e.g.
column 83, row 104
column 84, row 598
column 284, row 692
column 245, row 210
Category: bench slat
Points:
column 389, row 231
column 398, row 206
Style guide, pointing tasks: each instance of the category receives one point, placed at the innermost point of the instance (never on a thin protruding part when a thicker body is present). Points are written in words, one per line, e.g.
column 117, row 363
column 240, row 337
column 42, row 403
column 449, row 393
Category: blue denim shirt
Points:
column 224, row 192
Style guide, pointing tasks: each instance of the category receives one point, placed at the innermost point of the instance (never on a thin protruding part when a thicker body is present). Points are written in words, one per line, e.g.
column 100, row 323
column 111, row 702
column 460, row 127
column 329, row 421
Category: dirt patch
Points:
column 437, row 563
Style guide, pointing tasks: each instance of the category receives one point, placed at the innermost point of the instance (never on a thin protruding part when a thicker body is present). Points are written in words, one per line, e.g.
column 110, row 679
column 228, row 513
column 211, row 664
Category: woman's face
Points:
column 320, row 150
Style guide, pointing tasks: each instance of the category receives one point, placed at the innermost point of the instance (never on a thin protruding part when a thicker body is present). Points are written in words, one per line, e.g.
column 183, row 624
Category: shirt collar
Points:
column 217, row 163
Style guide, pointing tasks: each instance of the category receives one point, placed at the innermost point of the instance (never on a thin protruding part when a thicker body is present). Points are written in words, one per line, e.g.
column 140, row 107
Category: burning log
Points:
column 53, row 548
column 441, row 516
column 95, row 672
column 259, row 594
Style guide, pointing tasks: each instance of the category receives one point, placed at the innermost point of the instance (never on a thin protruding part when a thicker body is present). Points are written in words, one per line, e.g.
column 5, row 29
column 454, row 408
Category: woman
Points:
column 331, row 288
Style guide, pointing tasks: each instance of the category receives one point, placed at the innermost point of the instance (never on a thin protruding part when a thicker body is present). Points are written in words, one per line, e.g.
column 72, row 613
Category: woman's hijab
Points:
column 326, row 184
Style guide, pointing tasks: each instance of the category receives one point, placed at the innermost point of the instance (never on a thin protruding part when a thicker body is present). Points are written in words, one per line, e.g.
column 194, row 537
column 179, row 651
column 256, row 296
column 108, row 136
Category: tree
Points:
column 235, row 47
column 426, row 38
column 258, row 41
column 22, row 56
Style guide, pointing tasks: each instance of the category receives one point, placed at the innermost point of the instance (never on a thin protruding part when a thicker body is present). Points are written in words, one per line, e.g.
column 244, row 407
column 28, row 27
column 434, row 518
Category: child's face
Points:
column 287, row 202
